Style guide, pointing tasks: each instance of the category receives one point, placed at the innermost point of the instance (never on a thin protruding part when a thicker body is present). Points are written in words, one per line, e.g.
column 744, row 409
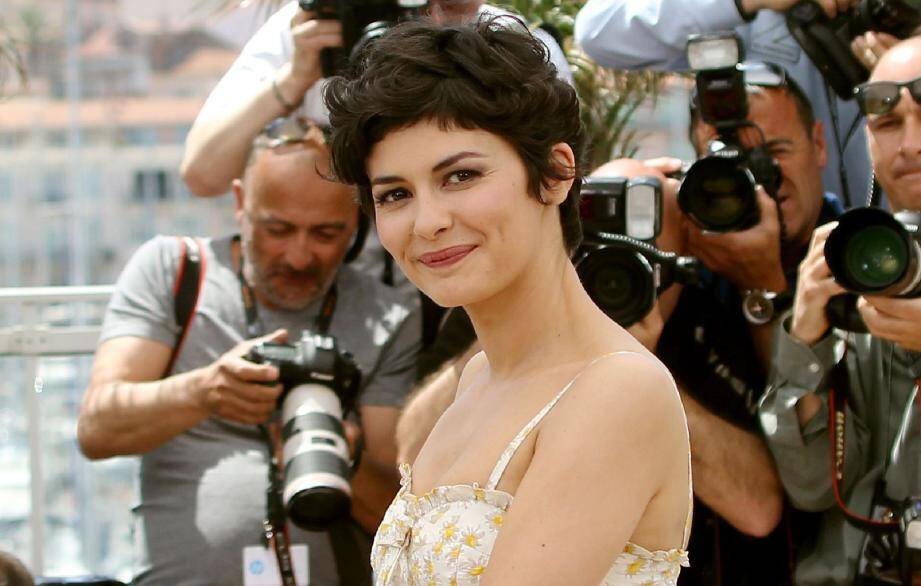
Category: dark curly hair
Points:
column 492, row 75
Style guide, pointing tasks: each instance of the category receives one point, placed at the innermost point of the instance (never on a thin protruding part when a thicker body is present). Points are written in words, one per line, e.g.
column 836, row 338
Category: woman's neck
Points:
column 533, row 323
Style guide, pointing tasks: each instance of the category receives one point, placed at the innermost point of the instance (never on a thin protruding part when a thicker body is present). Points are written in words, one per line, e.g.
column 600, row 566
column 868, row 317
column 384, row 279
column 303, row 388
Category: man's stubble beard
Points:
column 262, row 283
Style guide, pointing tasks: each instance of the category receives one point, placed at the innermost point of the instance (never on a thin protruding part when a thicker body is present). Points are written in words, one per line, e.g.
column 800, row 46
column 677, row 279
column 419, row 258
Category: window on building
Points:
column 56, row 138
column 54, row 185
column 138, row 136
column 6, row 186
column 153, row 185
column 12, row 140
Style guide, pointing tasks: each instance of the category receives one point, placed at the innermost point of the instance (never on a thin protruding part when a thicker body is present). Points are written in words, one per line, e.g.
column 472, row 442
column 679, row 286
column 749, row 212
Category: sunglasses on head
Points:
column 881, row 97
column 282, row 132
column 763, row 74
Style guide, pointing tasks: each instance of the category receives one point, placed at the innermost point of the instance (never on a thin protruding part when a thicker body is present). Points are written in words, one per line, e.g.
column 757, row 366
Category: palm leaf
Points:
column 11, row 62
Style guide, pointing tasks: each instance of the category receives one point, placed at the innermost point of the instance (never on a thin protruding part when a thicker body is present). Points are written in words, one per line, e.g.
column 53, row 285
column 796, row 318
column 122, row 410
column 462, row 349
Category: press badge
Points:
column 260, row 568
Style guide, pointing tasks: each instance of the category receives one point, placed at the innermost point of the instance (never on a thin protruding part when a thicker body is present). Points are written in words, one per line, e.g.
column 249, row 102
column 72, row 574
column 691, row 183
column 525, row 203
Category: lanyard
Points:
column 323, row 319
column 275, row 530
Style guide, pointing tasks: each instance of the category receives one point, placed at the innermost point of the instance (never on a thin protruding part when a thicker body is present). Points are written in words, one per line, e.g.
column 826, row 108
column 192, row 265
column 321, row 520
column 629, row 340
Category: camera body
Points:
column 718, row 190
column 362, row 22
column 827, row 41
column 873, row 252
column 320, row 385
column 618, row 263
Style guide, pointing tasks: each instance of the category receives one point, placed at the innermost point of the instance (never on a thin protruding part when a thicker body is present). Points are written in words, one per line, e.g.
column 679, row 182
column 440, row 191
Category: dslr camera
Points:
column 827, row 41
column 618, row 263
column 320, row 384
column 872, row 252
column 718, row 190
column 362, row 22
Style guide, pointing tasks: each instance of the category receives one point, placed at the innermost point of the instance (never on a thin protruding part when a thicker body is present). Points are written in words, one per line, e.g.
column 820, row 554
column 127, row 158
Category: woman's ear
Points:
column 564, row 162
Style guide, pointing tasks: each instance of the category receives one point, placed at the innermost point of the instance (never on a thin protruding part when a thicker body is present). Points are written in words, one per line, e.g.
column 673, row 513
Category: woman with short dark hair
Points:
column 564, row 457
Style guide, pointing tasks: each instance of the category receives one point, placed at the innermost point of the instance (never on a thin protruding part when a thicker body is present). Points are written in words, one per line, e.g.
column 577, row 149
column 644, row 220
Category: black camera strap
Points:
column 275, row 530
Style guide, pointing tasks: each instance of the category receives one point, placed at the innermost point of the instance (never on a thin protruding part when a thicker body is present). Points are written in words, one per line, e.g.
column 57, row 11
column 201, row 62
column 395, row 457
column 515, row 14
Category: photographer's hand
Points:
column 310, row 36
column 831, row 7
column 815, row 287
column 871, row 46
column 750, row 258
column 234, row 388
column 896, row 320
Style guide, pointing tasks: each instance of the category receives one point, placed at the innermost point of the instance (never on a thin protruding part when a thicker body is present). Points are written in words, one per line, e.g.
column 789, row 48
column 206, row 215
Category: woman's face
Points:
column 453, row 208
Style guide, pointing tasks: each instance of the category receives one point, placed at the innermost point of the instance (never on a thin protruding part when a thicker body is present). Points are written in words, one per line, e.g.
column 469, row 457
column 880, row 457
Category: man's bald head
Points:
column 296, row 225
column 894, row 138
column 899, row 61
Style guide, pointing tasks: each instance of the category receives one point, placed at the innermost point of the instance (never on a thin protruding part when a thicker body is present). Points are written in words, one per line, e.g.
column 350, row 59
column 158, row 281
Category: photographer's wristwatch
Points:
column 760, row 305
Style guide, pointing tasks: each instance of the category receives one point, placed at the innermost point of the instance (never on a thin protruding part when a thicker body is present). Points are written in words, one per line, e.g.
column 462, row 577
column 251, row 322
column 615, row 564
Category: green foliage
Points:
column 11, row 63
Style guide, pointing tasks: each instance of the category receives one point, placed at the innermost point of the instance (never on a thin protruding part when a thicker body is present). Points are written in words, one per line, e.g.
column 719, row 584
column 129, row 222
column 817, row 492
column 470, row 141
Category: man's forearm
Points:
column 373, row 487
column 123, row 418
column 648, row 34
column 217, row 147
column 734, row 473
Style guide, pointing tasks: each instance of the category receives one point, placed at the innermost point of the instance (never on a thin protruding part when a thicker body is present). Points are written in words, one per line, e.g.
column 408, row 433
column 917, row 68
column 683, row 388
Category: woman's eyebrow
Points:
column 386, row 179
column 455, row 158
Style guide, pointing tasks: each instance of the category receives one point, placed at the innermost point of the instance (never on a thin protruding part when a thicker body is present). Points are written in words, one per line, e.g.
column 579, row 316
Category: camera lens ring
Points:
column 620, row 280
column 718, row 194
column 870, row 252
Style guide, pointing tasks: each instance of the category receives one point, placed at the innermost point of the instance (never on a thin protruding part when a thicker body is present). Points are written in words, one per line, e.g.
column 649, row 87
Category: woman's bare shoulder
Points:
column 627, row 392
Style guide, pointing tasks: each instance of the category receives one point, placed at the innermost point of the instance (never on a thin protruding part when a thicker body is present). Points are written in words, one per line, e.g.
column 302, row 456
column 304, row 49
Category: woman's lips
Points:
column 446, row 256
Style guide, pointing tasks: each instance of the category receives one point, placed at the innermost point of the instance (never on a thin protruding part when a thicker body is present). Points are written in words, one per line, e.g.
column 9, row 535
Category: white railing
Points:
column 31, row 339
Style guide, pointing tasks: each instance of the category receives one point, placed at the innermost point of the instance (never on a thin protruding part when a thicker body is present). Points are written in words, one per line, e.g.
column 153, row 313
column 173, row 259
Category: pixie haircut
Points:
column 491, row 75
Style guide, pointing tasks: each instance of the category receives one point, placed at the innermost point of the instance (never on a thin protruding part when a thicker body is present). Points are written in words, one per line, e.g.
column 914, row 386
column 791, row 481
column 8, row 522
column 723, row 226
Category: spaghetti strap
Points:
column 513, row 446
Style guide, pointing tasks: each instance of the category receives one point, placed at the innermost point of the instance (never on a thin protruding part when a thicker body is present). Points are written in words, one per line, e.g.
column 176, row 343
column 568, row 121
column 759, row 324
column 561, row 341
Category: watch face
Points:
column 758, row 307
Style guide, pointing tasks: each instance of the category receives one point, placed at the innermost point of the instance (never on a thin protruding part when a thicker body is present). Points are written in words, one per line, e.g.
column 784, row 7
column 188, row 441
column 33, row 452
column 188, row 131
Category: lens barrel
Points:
column 315, row 456
column 620, row 280
column 871, row 252
column 718, row 194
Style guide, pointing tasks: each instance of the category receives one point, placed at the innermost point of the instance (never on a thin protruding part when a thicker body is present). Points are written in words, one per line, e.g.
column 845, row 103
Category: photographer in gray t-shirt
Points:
column 204, row 464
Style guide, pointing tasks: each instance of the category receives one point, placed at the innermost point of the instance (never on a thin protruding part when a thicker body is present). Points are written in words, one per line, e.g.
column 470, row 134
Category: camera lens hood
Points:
column 871, row 252
column 620, row 280
column 718, row 194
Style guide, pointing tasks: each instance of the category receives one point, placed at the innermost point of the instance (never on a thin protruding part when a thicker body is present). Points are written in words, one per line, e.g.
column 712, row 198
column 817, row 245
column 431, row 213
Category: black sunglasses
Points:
column 881, row 97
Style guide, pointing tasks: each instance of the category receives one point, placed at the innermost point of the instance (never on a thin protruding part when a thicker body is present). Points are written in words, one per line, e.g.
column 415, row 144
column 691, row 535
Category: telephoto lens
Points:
column 320, row 384
column 872, row 252
column 718, row 190
column 625, row 276
column 718, row 194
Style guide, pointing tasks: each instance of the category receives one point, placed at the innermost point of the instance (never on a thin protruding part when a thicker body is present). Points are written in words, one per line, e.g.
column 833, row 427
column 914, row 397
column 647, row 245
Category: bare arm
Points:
column 219, row 141
column 426, row 405
column 734, row 473
column 129, row 409
column 376, row 481
column 576, row 508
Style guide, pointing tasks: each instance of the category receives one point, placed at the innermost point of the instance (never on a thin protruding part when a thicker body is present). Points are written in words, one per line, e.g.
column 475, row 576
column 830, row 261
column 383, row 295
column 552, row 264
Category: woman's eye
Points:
column 390, row 196
column 462, row 176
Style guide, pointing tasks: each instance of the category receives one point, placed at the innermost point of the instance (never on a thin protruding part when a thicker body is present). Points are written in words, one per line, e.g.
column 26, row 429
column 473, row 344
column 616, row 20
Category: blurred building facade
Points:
column 89, row 159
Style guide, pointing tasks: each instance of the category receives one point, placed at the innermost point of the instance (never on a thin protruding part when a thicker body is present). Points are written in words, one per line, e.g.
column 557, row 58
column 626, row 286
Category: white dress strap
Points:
column 513, row 446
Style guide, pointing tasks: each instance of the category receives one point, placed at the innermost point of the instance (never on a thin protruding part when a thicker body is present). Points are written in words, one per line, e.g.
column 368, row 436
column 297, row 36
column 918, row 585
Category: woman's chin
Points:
column 448, row 296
